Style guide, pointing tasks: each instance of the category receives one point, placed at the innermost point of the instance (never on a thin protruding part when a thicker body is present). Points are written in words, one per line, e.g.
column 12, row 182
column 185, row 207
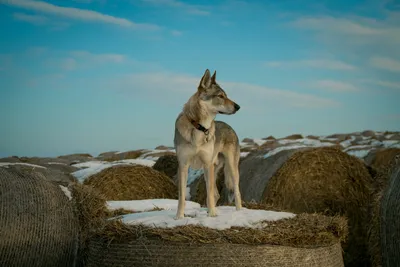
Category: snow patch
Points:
column 244, row 154
column 359, row 153
column 187, row 194
column 193, row 175
column 6, row 164
column 66, row 191
column 391, row 143
column 149, row 204
column 93, row 167
column 227, row 217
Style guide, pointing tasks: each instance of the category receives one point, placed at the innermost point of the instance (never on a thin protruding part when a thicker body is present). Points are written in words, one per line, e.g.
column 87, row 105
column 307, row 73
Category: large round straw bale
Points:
column 294, row 137
column 390, row 218
column 167, row 164
column 133, row 183
column 38, row 226
column 134, row 154
column 375, row 239
column 381, row 158
column 330, row 181
column 256, row 171
column 305, row 240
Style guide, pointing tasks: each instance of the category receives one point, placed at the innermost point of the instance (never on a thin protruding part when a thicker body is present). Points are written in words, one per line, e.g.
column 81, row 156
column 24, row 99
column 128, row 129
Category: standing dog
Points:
column 201, row 142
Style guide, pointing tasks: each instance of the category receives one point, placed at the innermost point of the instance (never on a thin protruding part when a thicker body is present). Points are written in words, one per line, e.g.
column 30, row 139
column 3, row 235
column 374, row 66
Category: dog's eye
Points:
column 221, row 96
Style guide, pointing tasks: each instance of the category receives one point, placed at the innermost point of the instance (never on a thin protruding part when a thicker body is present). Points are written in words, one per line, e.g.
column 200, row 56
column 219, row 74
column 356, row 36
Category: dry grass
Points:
column 293, row 137
column 329, row 181
column 134, row 154
column 304, row 230
column 383, row 157
column 167, row 164
column 132, row 183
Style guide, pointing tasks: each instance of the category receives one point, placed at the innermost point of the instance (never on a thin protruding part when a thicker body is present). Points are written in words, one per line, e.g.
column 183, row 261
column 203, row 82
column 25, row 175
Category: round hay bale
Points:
column 381, row 158
column 132, row 183
column 374, row 230
column 293, row 137
column 305, row 240
column 38, row 226
column 255, row 172
column 389, row 219
column 330, row 181
column 167, row 164
column 368, row 133
column 134, row 154
column 269, row 138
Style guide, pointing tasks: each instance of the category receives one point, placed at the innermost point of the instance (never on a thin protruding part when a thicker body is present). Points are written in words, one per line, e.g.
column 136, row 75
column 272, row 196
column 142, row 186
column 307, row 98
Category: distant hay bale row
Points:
column 38, row 226
column 132, row 183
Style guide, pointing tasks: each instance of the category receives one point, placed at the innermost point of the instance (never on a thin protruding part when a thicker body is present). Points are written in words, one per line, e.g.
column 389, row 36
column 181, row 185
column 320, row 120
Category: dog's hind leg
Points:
column 218, row 165
column 182, row 183
column 231, row 171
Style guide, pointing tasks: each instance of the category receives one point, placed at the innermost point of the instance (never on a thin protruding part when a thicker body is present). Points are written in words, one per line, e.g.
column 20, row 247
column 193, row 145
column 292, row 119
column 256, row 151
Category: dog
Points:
column 202, row 142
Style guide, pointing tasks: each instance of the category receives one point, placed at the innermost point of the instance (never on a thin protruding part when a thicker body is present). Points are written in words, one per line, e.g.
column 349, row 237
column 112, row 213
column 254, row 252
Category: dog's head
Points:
column 213, row 97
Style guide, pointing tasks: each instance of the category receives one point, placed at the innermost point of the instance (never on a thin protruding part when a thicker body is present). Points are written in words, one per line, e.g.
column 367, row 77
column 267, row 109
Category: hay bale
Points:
column 368, row 133
column 305, row 240
column 134, row 154
column 269, row 138
column 255, row 172
column 381, row 158
column 330, row 181
column 167, row 164
column 132, row 183
column 38, row 226
column 383, row 178
column 293, row 137
column 390, row 217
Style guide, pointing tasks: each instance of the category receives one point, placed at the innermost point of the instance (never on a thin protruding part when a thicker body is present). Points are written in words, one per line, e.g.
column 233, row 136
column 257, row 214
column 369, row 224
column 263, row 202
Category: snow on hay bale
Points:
column 38, row 226
column 302, row 240
column 167, row 164
column 330, row 181
column 132, row 182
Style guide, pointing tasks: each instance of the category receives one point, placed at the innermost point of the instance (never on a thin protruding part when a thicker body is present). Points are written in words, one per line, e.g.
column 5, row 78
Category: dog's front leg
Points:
column 209, row 176
column 182, row 183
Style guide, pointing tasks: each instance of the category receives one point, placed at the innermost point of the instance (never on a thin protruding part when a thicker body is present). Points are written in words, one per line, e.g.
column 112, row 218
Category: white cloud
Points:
column 191, row 9
column 98, row 58
column 33, row 19
column 167, row 83
column 77, row 14
column 335, row 86
column 392, row 85
column 312, row 63
column 385, row 63
column 68, row 64
column 176, row 33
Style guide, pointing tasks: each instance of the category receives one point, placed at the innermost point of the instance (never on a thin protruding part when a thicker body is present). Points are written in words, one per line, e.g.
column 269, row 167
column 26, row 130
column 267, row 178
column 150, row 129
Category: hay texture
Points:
column 38, row 226
column 305, row 240
column 134, row 154
column 132, row 183
column 390, row 218
column 381, row 159
column 167, row 164
column 330, row 181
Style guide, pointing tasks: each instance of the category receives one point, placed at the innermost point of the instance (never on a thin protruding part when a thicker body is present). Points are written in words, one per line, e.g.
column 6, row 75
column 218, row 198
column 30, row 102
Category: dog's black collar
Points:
column 199, row 127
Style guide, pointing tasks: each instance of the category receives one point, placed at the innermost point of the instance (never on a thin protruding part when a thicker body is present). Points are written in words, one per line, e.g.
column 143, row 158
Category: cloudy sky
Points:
column 99, row 75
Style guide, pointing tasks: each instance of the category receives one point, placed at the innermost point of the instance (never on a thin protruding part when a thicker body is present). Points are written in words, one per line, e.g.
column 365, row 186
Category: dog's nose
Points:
column 237, row 107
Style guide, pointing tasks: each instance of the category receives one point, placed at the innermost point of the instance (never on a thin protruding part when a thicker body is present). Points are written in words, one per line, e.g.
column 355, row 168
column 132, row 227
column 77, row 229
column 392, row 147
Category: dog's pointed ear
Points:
column 205, row 80
column 214, row 78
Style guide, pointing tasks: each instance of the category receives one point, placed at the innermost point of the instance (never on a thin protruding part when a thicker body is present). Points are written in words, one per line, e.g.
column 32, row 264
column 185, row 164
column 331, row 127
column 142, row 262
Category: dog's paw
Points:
column 212, row 212
column 179, row 216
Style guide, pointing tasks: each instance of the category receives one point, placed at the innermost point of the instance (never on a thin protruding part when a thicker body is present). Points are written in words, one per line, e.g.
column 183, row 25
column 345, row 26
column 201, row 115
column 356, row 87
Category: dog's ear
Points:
column 214, row 78
column 205, row 80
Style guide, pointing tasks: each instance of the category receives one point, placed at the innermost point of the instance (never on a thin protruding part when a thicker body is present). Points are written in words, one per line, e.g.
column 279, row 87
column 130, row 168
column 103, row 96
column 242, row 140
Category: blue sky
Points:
column 100, row 75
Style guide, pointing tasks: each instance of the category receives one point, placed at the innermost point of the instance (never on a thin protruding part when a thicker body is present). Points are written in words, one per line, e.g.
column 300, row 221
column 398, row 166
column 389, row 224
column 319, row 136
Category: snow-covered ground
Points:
column 195, row 215
column 93, row 167
column 149, row 204
column 66, row 191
